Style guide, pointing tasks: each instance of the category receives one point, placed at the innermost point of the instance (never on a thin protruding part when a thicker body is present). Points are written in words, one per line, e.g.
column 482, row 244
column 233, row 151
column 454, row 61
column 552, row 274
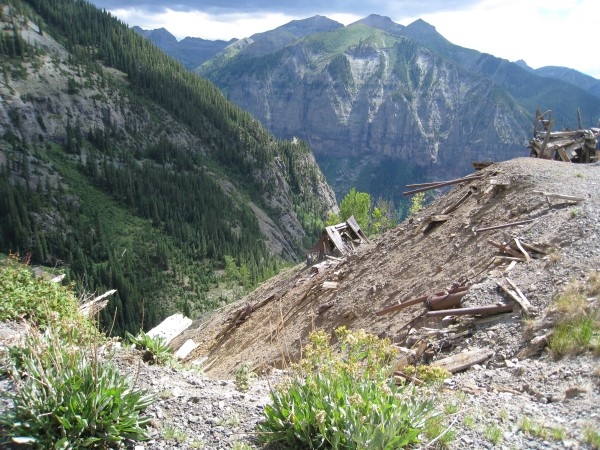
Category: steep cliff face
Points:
column 359, row 92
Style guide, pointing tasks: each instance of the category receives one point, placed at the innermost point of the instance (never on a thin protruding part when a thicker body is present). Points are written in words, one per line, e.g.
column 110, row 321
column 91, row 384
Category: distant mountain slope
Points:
column 191, row 52
column 382, row 104
column 529, row 89
column 378, row 109
column 589, row 84
column 127, row 171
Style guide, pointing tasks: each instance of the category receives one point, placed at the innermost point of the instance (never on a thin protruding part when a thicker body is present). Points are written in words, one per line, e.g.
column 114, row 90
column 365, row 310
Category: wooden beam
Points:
column 504, row 225
column 527, row 257
column 462, row 361
column 571, row 198
column 523, row 302
column 474, row 311
column 442, row 184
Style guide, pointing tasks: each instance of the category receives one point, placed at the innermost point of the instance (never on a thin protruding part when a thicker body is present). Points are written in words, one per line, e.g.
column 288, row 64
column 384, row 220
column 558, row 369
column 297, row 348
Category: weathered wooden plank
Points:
column 462, row 361
column 504, row 225
column 474, row 311
column 443, row 184
column 527, row 257
column 171, row 327
column 459, row 202
column 571, row 198
column 524, row 304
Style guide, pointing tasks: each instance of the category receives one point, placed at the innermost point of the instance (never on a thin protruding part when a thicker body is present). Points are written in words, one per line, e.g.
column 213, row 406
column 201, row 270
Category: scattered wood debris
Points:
column 504, row 225
column 569, row 198
column 432, row 221
column 578, row 146
column 464, row 360
column 516, row 294
column 337, row 240
column 92, row 307
column 517, row 250
column 171, row 327
column 474, row 311
column 422, row 187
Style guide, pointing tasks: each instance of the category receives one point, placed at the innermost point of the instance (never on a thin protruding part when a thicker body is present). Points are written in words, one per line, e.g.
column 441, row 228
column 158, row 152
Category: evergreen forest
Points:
column 138, row 175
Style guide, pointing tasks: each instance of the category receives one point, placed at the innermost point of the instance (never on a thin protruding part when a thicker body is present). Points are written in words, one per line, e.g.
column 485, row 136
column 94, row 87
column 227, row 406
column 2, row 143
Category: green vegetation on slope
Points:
column 64, row 395
column 122, row 206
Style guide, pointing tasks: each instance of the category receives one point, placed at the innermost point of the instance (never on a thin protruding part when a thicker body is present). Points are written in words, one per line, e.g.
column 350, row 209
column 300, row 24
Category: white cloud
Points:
column 542, row 32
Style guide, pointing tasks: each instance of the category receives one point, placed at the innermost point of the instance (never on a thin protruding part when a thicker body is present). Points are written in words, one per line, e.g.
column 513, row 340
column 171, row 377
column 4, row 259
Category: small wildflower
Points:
column 320, row 417
column 355, row 399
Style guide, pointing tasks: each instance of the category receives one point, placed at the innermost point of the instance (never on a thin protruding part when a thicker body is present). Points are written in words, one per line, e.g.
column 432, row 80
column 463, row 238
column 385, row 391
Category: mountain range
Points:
column 382, row 104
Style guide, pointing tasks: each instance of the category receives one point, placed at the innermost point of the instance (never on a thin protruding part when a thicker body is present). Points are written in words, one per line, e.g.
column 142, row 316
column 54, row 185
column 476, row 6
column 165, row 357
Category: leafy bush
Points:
column 37, row 300
column 428, row 374
column 345, row 400
column 243, row 377
column 65, row 398
column 156, row 350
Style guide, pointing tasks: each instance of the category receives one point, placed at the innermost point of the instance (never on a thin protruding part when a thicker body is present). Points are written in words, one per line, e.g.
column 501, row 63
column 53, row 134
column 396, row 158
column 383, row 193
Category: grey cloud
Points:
column 307, row 7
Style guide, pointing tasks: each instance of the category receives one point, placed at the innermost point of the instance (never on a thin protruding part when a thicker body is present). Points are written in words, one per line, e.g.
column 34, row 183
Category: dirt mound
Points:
column 269, row 327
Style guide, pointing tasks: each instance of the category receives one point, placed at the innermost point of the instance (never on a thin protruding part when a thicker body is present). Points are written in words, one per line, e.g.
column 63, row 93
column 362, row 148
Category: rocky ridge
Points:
column 199, row 405
column 517, row 385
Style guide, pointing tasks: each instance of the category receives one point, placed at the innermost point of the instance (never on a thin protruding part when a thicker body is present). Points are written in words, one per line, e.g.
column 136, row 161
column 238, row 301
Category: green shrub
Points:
column 345, row 399
column 66, row 398
column 36, row 300
column 243, row 377
column 156, row 350
column 428, row 374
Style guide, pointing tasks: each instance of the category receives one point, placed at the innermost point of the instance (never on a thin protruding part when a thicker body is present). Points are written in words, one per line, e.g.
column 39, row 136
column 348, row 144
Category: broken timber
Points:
column 577, row 146
column 517, row 295
column 569, row 198
column 517, row 249
column 504, row 225
column 462, row 361
column 432, row 221
column 434, row 185
column 337, row 240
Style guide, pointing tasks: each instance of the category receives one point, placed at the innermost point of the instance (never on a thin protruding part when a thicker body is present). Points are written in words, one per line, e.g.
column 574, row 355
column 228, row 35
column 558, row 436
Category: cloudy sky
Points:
column 542, row 32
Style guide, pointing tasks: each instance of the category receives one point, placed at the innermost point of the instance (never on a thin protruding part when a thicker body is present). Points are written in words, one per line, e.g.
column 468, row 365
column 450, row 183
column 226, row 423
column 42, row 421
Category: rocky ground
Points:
column 520, row 396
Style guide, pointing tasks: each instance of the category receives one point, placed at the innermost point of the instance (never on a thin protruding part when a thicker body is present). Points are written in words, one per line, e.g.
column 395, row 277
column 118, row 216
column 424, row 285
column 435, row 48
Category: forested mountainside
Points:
column 122, row 168
column 590, row 84
column 383, row 105
column 190, row 51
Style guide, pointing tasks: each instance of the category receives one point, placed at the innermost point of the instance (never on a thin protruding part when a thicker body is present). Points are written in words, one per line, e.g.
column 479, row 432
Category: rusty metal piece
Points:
column 414, row 301
column 475, row 311
column 447, row 301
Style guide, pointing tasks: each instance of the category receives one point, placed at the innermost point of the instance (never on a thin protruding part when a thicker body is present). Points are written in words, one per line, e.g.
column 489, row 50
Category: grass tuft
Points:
column 577, row 325
column 65, row 395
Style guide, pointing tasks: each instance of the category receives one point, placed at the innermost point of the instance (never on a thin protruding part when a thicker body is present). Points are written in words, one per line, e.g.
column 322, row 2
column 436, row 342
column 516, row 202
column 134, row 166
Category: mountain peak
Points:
column 303, row 27
column 381, row 23
column 422, row 26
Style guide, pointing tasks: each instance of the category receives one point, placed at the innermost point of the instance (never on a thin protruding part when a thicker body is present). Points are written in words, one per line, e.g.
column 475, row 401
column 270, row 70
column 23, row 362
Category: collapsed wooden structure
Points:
column 337, row 241
column 578, row 146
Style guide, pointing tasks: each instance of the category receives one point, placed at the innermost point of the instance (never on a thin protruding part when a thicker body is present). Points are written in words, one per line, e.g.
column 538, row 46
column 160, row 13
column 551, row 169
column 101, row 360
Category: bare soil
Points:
column 406, row 262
